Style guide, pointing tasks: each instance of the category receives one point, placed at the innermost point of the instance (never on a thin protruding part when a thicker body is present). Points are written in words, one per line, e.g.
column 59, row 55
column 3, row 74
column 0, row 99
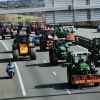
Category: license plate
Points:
column 86, row 79
column 23, row 48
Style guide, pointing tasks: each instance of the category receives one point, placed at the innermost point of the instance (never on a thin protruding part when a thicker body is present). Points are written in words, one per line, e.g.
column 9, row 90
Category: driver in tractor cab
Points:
column 83, row 65
column 92, row 68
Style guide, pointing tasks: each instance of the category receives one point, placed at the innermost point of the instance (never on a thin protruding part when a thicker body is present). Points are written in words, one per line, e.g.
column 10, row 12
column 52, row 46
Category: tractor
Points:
column 23, row 47
column 80, row 69
column 58, row 51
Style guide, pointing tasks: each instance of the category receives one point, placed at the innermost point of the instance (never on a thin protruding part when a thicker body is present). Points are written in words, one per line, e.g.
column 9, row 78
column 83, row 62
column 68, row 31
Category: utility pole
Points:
column 89, row 12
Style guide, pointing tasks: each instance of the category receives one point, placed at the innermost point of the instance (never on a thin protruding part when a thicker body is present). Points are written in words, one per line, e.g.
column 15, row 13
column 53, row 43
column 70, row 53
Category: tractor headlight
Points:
column 63, row 53
column 31, row 44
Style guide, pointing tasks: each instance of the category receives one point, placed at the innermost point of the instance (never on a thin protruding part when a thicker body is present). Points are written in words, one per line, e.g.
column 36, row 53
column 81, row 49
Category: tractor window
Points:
column 60, row 43
column 97, row 41
column 71, row 29
column 77, row 57
column 82, row 56
column 23, row 38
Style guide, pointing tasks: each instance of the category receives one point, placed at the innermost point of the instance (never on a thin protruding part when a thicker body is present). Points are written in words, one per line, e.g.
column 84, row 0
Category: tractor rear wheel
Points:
column 3, row 37
column 96, row 84
column 52, row 57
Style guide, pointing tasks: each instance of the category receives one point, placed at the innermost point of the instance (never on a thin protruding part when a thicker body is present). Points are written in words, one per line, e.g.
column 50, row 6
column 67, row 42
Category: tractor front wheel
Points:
column 32, row 54
column 15, row 55
column 52, row 57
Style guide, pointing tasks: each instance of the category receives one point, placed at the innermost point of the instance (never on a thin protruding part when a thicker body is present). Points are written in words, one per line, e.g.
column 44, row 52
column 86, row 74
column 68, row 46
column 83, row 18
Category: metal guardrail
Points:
column 44, row 9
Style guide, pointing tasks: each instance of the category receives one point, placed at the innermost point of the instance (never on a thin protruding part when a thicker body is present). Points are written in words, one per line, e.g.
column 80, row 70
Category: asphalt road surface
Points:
column 40, row 79
column 8, row 87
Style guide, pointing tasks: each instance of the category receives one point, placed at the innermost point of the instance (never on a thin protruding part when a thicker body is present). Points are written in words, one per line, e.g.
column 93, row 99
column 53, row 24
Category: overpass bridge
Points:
column 29, row 10
column 61, row 14
column 45, row 9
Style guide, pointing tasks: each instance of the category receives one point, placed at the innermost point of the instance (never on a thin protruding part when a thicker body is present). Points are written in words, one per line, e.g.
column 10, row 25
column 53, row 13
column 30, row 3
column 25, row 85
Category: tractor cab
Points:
column 78, row 52
column 58, row 52
column 77, row 56
column 80, row 58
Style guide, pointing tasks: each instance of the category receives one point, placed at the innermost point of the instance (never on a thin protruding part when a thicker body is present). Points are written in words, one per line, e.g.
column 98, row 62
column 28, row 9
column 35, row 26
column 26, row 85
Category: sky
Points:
column 4, row 0
column 7, row 0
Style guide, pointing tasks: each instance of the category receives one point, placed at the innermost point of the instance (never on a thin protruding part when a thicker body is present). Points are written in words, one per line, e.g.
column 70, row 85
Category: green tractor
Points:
column 59, row 31
column 80, row 69
column 58, row 51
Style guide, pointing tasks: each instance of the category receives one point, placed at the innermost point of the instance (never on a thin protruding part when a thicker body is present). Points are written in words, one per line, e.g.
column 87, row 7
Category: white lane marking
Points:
column 54, row 74
column 18, row 72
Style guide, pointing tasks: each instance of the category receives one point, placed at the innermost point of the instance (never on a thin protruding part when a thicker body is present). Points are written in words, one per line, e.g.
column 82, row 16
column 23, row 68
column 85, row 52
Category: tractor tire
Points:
column 12, row 36
column 32, row 54
column 42, row 47
column 75, row 86
column 11, row 75
column 3, row 37
column 15, row 54
column 52, row 57
column 96, row 84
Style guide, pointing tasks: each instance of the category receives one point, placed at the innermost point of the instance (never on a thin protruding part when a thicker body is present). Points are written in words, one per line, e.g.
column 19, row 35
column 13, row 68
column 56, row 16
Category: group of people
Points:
column 6, row 28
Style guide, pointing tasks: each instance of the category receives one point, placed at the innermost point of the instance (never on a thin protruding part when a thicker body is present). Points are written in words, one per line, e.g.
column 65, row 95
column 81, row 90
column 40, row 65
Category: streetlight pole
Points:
column 73, row 11
column 53, row 12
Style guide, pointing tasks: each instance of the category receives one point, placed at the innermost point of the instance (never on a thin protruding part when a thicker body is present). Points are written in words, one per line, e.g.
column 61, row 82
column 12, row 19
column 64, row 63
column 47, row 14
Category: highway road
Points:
column 40, row 79
column 94, row 96
column 8, row 87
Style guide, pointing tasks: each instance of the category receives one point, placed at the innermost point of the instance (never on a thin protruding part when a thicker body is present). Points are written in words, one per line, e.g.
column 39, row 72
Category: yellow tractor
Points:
column 22, row 47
